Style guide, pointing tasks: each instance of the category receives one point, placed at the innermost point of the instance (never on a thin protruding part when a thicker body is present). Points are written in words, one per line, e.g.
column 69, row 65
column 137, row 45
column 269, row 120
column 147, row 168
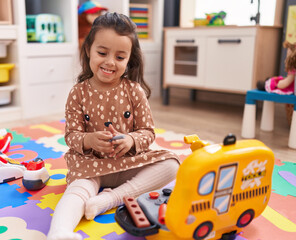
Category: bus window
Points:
column 43, row 26
column 55, row 28
column 221, row 203
column 226, row 177
column 206, row 184
column 49, row 27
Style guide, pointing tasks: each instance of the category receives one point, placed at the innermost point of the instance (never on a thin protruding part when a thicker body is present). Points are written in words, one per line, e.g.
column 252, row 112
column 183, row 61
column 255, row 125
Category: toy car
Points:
column 220, row 188
column 36, row 175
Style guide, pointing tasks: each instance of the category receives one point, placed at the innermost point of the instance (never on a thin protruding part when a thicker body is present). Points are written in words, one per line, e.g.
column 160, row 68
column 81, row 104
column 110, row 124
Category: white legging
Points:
column 134, row 182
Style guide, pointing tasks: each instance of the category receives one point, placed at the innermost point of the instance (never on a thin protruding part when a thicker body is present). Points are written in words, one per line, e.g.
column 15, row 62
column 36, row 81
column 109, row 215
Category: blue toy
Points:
column 44, row 28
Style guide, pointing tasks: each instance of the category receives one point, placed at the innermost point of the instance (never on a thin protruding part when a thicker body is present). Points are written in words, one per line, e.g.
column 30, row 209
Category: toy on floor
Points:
column 10, row 169
column 279, row 84
column 34, row 173
column 5, row 139
column 220, row 188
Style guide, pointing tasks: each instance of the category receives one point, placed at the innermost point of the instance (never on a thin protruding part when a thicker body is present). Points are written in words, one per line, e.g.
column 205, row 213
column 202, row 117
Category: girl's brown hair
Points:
column 123, row 26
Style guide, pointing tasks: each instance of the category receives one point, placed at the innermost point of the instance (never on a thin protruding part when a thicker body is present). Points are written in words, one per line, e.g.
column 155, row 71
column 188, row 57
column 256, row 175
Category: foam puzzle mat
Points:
column 26, row 215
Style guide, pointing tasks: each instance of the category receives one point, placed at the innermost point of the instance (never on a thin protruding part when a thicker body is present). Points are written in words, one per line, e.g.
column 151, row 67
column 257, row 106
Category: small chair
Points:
column 267, row 120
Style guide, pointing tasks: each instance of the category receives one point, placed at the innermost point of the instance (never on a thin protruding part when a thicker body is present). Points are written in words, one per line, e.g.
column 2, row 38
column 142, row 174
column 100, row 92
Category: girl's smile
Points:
column 107, row 71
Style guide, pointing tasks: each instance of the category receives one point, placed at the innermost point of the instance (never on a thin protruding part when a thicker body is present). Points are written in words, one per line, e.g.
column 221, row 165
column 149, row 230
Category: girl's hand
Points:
column 98, row 141
column 121, row 146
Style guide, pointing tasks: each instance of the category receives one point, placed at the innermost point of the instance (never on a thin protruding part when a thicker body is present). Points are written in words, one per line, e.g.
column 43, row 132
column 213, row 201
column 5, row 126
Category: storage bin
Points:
column 5, row 94
column 3, row 47
column 4, row 72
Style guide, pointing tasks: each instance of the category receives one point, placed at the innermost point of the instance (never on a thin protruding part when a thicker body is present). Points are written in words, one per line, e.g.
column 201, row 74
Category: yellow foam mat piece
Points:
column 56, row 182
column 47, row 128
column 50, row 200
column 97, row 230
column 279, row 220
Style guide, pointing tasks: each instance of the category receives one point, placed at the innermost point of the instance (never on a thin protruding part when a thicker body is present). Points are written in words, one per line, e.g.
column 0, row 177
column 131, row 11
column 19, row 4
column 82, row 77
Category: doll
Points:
column 87, row 12
column 279, row 84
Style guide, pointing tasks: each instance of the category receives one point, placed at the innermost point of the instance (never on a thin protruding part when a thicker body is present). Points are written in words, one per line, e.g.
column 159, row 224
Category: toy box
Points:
column 3, row 48
column 4, row 72
column 5, row 94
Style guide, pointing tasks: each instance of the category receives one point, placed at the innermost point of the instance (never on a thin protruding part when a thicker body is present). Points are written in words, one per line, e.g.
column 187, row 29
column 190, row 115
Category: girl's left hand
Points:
column 121, row 146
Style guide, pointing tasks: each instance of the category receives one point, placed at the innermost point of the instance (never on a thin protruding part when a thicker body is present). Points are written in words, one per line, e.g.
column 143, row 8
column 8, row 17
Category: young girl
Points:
column 109, row 100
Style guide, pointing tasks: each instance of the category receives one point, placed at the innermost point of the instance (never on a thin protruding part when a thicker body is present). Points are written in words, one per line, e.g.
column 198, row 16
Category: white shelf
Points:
column 8, row 32
column 219, row 67
column 39, row 63
column 49, row 49
column 10, row 113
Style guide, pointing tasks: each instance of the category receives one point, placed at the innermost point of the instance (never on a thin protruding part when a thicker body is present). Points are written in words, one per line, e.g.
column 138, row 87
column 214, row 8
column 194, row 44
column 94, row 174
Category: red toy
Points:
column 5, row 139
column 34, row 173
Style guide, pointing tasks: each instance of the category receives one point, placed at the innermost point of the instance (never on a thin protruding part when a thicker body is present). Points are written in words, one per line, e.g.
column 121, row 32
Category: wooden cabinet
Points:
column 184, row 59
column 229, row 65
column 226, row 59
column 44, row 72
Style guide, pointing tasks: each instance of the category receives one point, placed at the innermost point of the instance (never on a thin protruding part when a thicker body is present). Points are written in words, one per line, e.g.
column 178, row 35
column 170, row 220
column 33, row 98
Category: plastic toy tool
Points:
column 34, row 173
column 219, row 190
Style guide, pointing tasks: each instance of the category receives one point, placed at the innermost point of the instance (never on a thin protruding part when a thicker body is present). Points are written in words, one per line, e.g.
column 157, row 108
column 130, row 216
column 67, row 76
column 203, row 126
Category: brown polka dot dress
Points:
column 127, row 108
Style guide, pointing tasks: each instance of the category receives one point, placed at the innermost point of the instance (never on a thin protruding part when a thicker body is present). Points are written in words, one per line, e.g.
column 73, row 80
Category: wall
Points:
column 238, row 11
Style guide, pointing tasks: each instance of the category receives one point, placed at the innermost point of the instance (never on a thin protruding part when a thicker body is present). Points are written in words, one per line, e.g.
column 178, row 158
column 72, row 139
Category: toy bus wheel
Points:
column 245, row 218
column 202, row 230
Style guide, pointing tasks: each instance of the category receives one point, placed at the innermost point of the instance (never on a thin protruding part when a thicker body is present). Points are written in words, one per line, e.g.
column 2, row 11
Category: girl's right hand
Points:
column 98, row 141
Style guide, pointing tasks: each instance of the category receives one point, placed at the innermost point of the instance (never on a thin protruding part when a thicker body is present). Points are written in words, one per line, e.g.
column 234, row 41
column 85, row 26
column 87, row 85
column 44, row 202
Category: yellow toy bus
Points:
column 219, row 189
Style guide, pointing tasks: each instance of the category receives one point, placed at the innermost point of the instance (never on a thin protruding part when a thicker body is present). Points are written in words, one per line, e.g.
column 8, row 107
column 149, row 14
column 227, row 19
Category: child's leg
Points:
column 70, row 209
column 132, row 183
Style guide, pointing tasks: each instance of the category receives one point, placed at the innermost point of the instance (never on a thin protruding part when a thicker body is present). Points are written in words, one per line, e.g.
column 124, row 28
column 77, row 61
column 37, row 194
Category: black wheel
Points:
column 229, row 236
column 202, row 230
column 245, row 218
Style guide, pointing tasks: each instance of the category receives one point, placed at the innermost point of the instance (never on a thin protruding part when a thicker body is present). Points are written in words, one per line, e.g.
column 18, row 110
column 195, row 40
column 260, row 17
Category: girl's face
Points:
column 109, row 56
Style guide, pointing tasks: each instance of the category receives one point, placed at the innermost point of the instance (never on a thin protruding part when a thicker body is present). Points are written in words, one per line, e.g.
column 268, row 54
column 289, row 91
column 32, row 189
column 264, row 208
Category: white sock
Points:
column 101, row 203
column 66, row 217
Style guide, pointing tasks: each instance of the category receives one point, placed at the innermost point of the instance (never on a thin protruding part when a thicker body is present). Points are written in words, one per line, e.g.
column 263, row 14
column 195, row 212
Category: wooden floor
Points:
column 211, row 118
column 214, row 118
